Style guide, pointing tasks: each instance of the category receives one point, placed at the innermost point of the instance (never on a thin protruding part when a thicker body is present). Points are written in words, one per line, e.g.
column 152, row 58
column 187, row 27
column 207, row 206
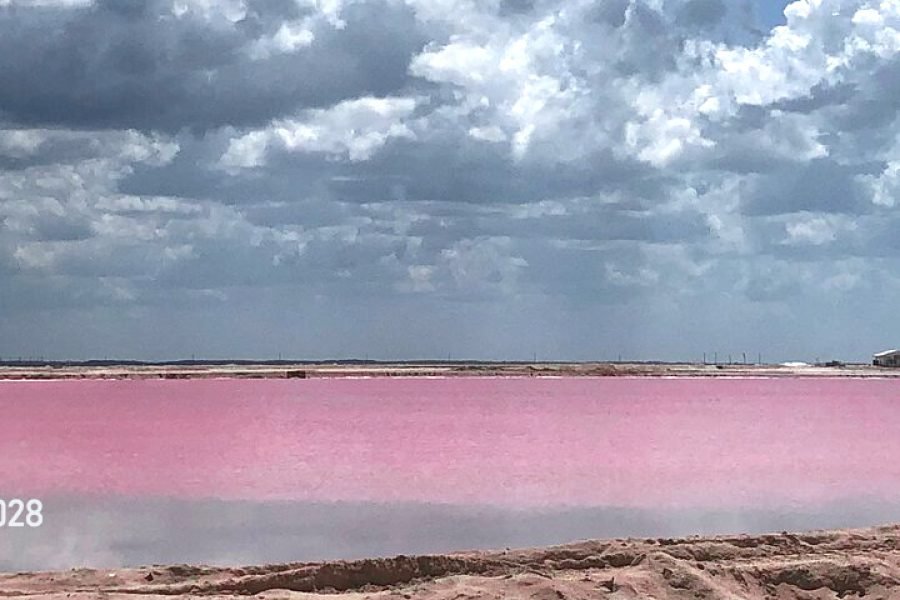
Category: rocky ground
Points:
column 833, row 564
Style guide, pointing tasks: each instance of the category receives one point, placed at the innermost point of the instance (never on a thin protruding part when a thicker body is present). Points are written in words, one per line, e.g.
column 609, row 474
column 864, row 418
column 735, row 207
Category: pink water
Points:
column 511, row 442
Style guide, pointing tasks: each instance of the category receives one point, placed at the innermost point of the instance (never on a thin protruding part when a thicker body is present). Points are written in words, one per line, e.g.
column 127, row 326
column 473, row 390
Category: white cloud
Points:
column 290, row 37
column 491, row 133
column 18, row 143
column 230, row 10
column 246, row 151
column 815, row 231
column 354, row 129
column 518, row 81
column 885, row 187
column 153, row 150
column 420, row 278
column 661, row 138
column 459, row 62
column 482, row 265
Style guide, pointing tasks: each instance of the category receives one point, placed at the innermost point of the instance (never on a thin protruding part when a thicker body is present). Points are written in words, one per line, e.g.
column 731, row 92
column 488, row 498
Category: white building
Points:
column 889, row 358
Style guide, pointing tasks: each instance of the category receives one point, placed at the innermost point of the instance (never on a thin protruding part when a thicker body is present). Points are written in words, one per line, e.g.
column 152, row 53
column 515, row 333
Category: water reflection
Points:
column 131, row 532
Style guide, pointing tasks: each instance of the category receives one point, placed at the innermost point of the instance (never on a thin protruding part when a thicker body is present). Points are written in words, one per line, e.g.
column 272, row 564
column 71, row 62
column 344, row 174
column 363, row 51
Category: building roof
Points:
column 886, row 353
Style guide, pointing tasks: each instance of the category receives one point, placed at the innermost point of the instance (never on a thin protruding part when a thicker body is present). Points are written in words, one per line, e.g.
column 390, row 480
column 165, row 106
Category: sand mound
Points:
column 835, row 564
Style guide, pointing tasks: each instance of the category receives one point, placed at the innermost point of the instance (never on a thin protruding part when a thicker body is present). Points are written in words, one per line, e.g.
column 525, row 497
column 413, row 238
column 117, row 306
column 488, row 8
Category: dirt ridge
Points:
column 816, row 565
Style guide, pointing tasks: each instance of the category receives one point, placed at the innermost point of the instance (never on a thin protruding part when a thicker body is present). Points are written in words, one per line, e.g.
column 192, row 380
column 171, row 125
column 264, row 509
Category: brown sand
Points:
column 834, row 564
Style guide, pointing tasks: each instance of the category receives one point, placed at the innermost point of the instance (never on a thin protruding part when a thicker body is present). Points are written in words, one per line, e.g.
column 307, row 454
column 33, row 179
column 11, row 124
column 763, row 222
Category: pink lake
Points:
column 723, row 443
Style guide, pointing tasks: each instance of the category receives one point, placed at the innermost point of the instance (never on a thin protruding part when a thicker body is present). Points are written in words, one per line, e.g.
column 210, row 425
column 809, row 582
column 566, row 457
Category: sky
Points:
column 494, row 179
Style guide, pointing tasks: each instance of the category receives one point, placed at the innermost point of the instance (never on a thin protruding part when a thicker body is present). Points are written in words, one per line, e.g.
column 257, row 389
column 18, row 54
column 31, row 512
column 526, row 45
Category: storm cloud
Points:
column 417, row 178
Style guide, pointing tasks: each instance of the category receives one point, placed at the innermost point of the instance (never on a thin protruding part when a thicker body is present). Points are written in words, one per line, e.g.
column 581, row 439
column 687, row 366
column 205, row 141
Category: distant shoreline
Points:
column 285, row 370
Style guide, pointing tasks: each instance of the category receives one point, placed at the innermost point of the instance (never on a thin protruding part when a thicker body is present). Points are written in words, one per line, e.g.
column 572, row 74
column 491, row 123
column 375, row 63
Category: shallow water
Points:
column 261, row 470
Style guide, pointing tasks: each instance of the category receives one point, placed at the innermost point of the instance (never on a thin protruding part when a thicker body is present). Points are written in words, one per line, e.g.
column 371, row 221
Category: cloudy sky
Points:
column 577, row 179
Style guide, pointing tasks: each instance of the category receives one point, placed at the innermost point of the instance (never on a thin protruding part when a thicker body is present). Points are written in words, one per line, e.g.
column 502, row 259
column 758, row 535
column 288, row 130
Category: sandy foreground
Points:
column 831, row 564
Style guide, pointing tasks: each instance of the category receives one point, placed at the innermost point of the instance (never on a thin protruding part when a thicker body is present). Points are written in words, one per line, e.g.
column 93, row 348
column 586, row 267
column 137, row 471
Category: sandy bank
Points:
column 332, row 370
column 834, row 564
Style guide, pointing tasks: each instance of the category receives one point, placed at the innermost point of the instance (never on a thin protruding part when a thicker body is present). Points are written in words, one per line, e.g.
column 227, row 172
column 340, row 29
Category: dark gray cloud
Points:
column 821, row 185
column 820, row 96
column 612, row 13
column 702, row 13
column 136, row 65
column 508, row 7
